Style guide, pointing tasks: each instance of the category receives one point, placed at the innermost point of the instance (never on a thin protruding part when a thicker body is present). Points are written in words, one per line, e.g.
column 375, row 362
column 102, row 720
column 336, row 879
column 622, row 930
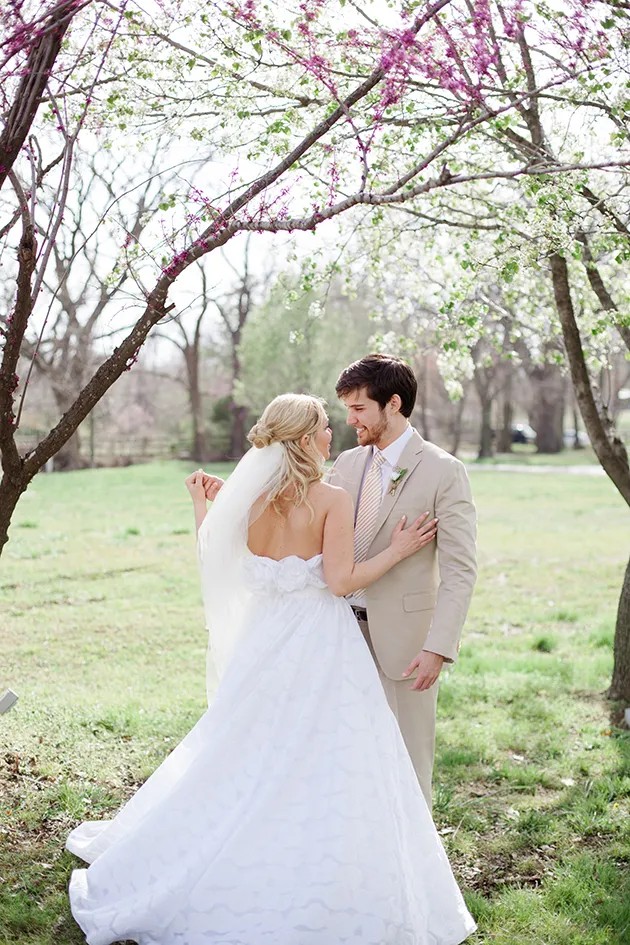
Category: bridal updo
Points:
column 259, row 436
column 286, row 420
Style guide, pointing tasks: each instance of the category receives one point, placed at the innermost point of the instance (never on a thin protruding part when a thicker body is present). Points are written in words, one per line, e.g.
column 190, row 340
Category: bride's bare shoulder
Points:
column 327, row 496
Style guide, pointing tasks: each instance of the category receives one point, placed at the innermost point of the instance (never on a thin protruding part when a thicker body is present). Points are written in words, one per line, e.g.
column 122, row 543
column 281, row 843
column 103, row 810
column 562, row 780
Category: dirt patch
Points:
column 508, row 868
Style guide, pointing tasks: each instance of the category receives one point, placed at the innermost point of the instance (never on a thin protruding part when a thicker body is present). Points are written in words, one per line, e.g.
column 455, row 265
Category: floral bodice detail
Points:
column 286, row 575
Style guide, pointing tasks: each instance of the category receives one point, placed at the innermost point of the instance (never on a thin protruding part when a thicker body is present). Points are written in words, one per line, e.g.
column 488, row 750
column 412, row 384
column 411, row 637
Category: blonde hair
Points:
column 286, row 420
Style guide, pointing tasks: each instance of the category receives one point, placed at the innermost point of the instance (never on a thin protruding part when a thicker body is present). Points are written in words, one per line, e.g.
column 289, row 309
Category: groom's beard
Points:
column 371, row 436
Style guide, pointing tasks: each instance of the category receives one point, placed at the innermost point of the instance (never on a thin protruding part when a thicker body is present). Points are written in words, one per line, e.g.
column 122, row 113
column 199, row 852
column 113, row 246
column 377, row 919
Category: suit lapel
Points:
column 355, row 479
column 409, row 459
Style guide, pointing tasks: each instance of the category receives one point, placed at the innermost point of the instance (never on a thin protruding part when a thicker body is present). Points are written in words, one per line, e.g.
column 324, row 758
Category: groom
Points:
column 412, row 617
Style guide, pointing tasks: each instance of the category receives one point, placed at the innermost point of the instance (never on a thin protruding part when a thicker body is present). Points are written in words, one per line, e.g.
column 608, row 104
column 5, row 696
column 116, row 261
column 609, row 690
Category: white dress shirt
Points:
column 391, row 454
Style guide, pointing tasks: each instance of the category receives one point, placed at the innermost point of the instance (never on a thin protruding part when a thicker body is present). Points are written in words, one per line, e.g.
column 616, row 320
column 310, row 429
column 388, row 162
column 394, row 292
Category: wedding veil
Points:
column 222, row 550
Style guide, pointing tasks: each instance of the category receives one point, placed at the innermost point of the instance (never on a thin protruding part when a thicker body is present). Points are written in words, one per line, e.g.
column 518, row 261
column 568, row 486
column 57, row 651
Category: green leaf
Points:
column 509, row 270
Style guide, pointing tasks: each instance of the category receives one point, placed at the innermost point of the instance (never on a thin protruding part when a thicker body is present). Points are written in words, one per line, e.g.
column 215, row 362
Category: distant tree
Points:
column 84, row 277
column 187, row 336
column 235, row 307
column 299, row 340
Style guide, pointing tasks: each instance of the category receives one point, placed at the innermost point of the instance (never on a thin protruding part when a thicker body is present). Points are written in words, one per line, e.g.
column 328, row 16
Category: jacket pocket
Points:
column 415, row 602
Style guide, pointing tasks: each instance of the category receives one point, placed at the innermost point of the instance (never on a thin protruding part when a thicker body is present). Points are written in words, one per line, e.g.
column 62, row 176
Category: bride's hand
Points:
column 195, row 485
column 212, row 485
column 406, row 541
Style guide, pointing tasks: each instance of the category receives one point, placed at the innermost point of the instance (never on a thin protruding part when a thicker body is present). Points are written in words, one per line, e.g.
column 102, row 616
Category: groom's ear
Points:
column 395, row 403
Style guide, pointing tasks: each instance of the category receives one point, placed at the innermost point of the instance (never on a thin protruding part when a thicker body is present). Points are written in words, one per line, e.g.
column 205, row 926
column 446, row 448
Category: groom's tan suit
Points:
column 422, row 602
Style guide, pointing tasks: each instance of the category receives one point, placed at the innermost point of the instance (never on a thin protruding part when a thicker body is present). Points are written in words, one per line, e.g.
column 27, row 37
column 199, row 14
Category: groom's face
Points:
column 367, row 418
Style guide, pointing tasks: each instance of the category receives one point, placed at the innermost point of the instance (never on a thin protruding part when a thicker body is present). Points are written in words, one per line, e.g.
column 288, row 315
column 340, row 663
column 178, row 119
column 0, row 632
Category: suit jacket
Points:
column 423, row 601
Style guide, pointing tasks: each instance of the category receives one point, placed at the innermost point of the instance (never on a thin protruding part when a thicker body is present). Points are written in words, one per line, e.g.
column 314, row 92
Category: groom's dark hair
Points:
column 382, row 376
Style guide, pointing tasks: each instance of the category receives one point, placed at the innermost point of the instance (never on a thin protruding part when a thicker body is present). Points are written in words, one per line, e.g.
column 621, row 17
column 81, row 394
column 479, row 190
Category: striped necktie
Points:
column 367, row 513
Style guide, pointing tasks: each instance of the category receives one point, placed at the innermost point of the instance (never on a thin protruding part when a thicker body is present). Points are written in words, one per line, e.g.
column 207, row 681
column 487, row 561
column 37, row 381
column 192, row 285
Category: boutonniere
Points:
column 397, row 477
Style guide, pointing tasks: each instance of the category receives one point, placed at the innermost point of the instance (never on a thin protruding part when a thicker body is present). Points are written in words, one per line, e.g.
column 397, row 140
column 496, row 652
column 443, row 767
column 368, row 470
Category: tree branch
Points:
column 14, row 335
column 597, row 285
column 609, row 448
column 35, row 75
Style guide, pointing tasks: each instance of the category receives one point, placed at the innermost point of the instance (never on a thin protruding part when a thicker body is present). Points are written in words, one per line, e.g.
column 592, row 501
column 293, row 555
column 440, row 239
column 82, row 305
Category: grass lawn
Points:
column 102, row 637
column 525, row 455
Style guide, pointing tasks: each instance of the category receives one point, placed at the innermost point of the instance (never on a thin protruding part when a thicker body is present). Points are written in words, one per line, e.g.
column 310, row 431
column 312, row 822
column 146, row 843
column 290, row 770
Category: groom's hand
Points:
column 429, row 666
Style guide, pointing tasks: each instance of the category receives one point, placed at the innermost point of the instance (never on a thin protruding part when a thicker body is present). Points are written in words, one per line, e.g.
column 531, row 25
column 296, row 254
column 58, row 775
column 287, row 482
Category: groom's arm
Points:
column 456, row 540
column 456, row 537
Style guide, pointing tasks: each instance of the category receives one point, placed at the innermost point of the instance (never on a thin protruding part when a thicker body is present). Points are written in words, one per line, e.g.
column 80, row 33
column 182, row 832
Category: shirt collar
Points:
column 393, row 452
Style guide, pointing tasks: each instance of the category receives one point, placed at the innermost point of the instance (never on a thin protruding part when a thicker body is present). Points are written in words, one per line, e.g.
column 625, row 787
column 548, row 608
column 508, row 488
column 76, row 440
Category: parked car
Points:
column 523, row 433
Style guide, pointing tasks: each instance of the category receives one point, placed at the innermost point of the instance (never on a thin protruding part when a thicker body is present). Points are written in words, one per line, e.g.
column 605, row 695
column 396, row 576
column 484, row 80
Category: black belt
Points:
column 360, row 613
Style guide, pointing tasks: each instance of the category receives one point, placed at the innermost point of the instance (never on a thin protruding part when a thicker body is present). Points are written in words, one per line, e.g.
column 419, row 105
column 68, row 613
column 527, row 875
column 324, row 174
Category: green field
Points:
column 102, row 637
column 522, row 455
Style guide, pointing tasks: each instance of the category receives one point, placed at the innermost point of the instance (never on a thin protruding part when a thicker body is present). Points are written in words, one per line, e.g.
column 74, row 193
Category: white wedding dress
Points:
column 290, row 814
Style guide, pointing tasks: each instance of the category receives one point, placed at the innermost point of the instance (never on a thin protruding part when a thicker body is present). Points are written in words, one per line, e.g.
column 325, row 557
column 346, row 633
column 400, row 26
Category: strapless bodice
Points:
column 285, row 575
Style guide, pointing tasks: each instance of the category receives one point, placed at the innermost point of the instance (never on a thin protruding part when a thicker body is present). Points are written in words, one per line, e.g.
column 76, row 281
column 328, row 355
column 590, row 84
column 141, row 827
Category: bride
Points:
column 291, row 813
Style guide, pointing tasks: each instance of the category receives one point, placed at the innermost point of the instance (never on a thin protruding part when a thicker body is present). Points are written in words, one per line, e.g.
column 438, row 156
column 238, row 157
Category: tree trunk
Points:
column 11, row 488
column 237, row 412
column 576, row 426
column 237, row 430
column 422, row 379
column 483, row 378
column 92, row 422
column 609, row 449
column 620, row 381
column 548, row 407
column 620, row 684
column 504, row 443
column 456, row 426
column 68, row 456
column 485, row 437
column 199, row 447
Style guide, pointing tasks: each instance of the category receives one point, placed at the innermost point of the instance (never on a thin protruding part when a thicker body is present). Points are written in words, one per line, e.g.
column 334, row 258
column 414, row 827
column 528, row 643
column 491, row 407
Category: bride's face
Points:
column 323, row 439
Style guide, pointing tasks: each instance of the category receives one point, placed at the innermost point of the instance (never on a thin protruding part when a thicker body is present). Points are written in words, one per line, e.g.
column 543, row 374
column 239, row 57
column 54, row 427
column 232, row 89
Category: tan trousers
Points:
column 415, row 712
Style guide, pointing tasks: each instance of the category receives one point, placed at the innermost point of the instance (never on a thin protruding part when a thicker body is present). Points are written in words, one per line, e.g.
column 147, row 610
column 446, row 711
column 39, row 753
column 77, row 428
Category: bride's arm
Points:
column 341, row 573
